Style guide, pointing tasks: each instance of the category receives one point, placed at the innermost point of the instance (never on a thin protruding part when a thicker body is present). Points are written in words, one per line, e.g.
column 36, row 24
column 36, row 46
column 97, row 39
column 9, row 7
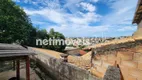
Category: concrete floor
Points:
column 9, row 74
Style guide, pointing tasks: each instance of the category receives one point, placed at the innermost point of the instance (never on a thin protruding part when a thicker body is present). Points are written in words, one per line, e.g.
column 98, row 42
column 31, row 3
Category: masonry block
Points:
column 96, row 73
column 136, row 73
column 97, row 62
column 104, row 57
column 140, row 65
column 131, row 78
column 112, row 62
column 129, row 64
column 137, row 56
column 106, row 64
column 101, row 69
column 118, row 59
column 111, row 57
column 125, row 55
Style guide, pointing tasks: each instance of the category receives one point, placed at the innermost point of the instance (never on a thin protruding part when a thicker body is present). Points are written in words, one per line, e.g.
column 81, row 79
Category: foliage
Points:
column 57, row 35
column 82, row 46
column 14, row 23
column 16, row 27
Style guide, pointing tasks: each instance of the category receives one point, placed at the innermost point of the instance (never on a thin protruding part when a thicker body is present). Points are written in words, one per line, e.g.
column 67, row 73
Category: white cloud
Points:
column 76, row 23
column 61, row 17
column 88, row 6
column 80, row 30
column 127, row 28
column 50, row 14
column 122, row 12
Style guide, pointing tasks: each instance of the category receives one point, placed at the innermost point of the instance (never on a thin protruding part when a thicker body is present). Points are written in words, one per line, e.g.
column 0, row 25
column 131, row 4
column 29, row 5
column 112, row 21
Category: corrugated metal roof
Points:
column 138, row 14
column 10, row 50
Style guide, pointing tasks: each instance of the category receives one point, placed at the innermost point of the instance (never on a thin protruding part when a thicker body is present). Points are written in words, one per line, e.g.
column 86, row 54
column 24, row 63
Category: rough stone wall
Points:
column 128, row 58
column 115, row 47
column 59, row 70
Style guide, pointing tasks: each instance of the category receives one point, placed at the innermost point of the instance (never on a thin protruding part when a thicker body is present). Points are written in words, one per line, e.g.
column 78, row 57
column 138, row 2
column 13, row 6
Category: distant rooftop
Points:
column 70, row 48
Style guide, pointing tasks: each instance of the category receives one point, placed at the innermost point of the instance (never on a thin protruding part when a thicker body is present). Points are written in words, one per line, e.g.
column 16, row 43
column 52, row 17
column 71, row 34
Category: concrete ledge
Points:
column 112, row 73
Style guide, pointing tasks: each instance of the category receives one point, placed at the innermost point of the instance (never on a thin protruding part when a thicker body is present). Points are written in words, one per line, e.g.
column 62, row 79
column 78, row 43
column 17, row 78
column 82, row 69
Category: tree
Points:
column 14, row 23
column 51, row 32
column 56, row 35
column 15, row 26
column 42, row 34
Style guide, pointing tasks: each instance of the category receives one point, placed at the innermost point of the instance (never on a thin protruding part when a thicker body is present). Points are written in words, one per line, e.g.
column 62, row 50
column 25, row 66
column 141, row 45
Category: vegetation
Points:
column 82, row 46
column 16, row 27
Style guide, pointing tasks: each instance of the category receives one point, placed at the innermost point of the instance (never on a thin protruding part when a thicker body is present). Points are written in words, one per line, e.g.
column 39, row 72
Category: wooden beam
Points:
column 27, row 68
column 15, row 53
column 18, row 69
column 12, row 58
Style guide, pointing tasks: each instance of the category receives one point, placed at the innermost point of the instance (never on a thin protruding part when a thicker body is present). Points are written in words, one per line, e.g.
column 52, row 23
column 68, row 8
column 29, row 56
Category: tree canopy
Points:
column 14, row 23
column 16, row 27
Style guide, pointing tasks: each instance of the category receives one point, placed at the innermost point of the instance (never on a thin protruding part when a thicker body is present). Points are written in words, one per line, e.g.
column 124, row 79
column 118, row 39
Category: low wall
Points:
column 59, row 70
column 127, row 55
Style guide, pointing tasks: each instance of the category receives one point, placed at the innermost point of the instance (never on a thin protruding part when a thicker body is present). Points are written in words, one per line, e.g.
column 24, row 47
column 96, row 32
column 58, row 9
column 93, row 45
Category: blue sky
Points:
column 82, row 18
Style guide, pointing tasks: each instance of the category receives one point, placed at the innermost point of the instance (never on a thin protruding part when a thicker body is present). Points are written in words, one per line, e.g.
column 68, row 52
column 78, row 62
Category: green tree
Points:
column 14, row 23
column 15, row 26
column 56, row 35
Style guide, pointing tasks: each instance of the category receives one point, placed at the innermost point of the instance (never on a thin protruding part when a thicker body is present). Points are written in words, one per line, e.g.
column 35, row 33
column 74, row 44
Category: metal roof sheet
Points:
column 10, row 50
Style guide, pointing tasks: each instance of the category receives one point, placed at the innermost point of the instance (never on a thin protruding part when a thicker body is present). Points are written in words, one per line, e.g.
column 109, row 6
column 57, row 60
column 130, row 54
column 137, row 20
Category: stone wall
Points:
column 115, row 47
column 127, row 56
column 59, row 70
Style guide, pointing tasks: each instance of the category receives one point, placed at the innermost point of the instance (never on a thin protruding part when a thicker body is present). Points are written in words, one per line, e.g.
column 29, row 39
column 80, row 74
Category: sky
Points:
column 82, row 18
